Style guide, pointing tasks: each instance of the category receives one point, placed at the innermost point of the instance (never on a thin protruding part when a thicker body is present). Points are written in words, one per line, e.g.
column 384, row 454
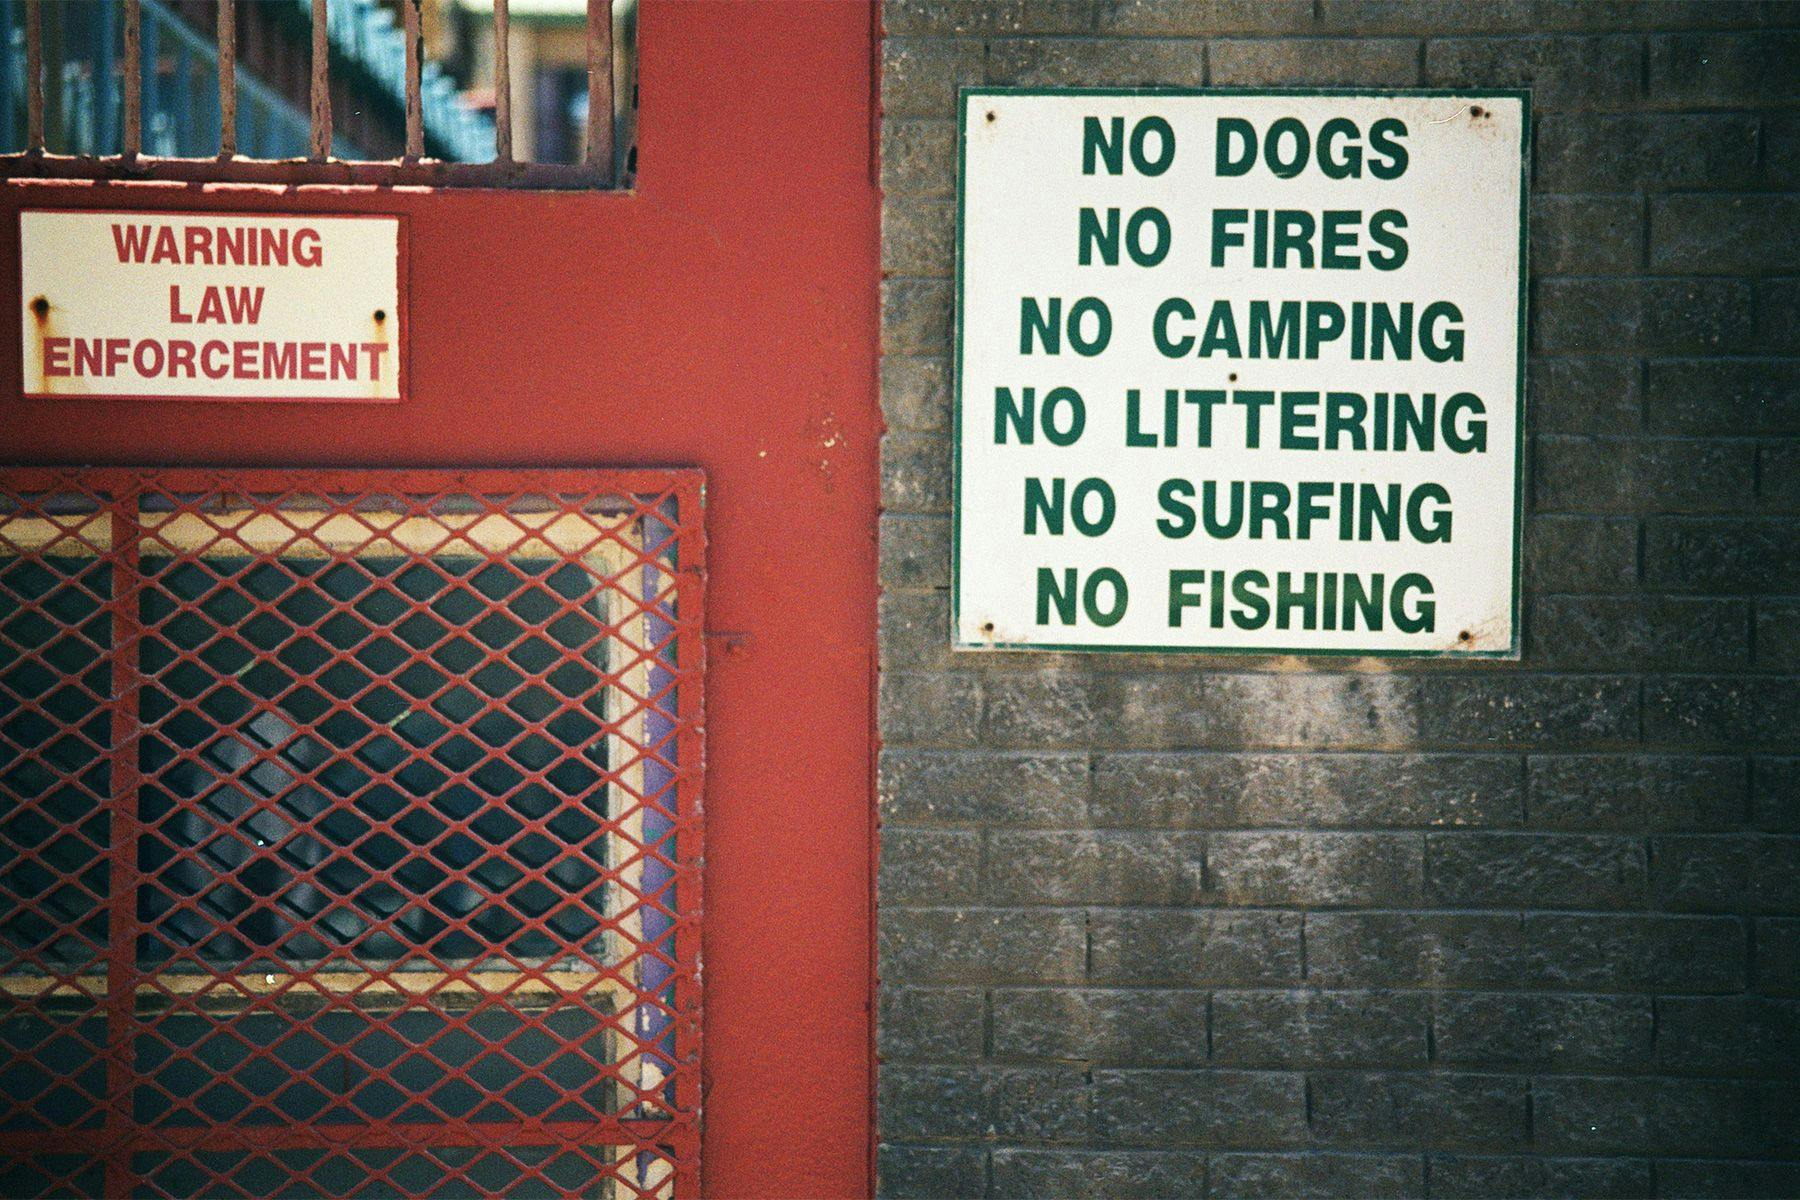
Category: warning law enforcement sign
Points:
column 212, row 306
column 1240, row 371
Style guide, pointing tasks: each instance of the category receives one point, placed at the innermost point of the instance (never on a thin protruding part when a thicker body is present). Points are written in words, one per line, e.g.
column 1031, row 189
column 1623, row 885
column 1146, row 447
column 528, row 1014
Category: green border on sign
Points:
column 966, row 94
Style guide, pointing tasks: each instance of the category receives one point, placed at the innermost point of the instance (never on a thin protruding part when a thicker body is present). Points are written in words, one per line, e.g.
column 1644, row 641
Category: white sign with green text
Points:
column 1240, row 371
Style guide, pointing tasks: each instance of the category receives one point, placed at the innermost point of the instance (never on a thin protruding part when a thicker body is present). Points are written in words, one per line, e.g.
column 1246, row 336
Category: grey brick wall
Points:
column 1261, row 927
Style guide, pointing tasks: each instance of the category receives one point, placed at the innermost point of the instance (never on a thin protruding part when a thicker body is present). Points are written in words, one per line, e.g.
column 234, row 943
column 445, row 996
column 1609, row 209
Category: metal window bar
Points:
column 349, row 832
column 255, row 142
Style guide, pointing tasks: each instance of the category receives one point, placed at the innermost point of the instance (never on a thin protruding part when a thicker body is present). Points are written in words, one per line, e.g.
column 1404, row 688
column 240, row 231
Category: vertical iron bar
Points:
column 8, row 69
column 107, row 117
column 503, row 150
column 121, row 895
column 321, row 83
column 600, row 88
column 150, row 92
column 34, row 76
column 415, row 117
column 227, row 78
column 132, row 139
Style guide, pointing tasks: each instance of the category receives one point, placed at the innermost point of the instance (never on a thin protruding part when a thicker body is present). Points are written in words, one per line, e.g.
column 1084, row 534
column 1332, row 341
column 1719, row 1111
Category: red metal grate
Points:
column 350, row 832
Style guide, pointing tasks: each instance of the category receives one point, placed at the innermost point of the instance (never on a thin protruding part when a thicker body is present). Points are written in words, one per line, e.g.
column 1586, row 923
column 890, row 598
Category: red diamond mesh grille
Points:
column 350, row 832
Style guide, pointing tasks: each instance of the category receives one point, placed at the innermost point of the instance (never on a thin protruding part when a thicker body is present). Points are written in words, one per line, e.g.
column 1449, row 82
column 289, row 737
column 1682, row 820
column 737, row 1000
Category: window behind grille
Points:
column 481, row 93
column 348, row 833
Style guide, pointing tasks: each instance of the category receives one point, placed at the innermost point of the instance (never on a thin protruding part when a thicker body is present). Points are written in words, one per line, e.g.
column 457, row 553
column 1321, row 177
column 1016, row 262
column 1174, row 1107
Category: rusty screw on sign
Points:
column 40, row 307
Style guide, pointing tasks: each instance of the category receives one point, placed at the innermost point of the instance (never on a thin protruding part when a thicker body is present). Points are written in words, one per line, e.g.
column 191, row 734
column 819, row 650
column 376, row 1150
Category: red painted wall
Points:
column 723, row 316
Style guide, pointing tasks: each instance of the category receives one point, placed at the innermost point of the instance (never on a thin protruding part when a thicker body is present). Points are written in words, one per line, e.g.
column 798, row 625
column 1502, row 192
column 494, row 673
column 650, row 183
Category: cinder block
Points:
column 1564, row 73
column 933, row 1024
column 1648, row 632
column 1642, row 475
column 1317, row 869
column 918, row 236
column 1723, row 69
column 1505, row 1177
column 983, row 789
column 1634, row 793
column 1473, row 869
column 1494, row 711
column 1195, row 947
column 1702, row 873
column 1083, row 62
column 1710, row 555
column 1210, row 1108
column 1046, row 709
column 1644, row 1116
column 1128, row 1174
column 980, row 18
column 1319, row 1029
column 1734, row 397
column 1727, row 1035
column 1204, row 18
column 913, row 631
column 920, row 76
column 1095, row 867
column 983, row 945
column 918, row 157
column 1407, row 1109
column 1542, row 1032
column 1723, row 235
column 1723, row 712
column 1584, row 395
column 1622, row 953
column 1414, row 949
column 1775, row 875
column 1778, row 956
column 1536, row 952
column 930, row 1172
column 930, row 866
column 1571, row 553
column 929, row 709
column 1727, row 1177
column 1778, row 478
column 1781, row 150
column 1775, row 794
column 1315, row 1173
column 1614, row 152
column 1587, row 235
column 1434, row 16
column 915, row 550
column 1778, row 316
column 915, row 393
column 915, row 316
column 1032, row 1103
column 1223, row 791
column 1134, row 1026
column 1653, row 316
column 1315, row 62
